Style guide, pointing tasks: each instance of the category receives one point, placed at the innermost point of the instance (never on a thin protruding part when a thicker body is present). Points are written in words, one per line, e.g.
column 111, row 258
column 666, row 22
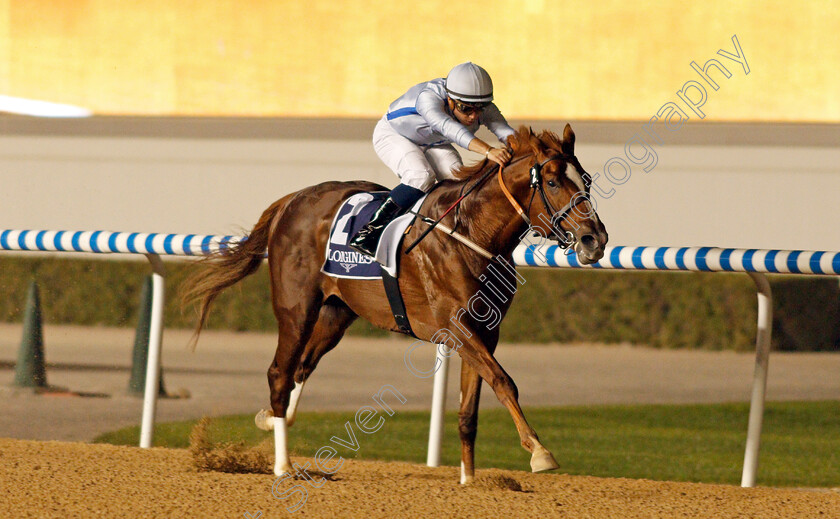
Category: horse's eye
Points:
column 551, row 183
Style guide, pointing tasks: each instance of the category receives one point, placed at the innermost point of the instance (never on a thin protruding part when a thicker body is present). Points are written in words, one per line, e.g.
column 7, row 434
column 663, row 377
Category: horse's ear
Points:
column 568, row 144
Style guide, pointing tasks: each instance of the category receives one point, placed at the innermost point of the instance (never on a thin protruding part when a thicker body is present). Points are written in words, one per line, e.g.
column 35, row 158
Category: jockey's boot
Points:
column 366, row 239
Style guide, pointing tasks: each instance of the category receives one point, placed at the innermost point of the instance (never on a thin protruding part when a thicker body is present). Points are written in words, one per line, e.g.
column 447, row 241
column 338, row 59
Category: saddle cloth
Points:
column 343, row 262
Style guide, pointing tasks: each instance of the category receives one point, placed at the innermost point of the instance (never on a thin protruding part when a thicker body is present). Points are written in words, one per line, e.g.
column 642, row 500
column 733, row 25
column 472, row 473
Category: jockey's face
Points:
column 466, row 114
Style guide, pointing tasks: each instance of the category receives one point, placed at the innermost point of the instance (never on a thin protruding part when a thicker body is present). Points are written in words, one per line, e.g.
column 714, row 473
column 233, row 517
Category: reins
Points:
column 435, row 223
column 564, row 241
column 512, row 200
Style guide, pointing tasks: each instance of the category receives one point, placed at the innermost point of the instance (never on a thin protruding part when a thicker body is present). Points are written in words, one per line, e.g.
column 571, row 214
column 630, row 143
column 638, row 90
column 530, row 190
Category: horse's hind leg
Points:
column 468, row 420
column 333, row 320
column 296, row 320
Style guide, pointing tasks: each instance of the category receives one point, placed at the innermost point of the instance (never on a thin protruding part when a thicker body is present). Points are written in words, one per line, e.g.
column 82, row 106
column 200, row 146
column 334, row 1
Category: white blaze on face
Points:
column 574, row 175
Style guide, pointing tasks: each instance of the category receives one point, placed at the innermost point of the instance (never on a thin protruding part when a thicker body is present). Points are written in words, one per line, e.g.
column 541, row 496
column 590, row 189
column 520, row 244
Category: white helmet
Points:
column 469, row 83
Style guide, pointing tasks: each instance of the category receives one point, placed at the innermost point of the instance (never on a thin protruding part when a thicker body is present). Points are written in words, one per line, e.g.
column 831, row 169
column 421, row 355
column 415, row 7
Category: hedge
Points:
column 664, row 310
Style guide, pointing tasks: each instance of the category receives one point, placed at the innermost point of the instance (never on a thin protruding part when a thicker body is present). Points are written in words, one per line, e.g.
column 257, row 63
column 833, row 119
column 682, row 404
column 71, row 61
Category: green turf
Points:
column 704, row 443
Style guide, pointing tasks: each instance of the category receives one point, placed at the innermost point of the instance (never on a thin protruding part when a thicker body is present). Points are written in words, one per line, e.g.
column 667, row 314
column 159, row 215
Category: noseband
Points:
column 559, row 216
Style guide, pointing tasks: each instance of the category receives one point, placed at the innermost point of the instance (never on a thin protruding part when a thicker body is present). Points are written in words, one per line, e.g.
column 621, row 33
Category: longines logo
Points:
column 342, row 257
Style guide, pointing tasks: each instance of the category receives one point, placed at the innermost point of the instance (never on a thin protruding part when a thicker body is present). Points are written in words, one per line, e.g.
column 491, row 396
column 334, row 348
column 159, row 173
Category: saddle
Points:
column 343, row 262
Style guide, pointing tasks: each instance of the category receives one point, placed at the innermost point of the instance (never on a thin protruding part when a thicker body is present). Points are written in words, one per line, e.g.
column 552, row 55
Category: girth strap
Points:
column 392, row 291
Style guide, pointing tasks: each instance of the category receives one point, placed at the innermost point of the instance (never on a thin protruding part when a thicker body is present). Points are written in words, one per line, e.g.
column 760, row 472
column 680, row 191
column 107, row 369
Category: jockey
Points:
column 415, row 139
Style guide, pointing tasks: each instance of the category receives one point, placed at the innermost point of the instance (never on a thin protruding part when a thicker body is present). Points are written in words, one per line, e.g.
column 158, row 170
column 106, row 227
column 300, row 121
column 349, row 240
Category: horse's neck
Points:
column 490, row 219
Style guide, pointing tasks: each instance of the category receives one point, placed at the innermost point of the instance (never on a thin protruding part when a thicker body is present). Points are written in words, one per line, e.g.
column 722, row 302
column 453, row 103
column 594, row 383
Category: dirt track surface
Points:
column 54, row 479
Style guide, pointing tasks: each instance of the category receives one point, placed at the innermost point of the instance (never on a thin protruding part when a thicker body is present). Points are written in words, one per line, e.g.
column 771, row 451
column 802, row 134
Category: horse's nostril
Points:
column 589, row 241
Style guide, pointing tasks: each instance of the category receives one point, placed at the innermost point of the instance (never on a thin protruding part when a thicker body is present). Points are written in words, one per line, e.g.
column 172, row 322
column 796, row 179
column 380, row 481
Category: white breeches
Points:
column 418, row 167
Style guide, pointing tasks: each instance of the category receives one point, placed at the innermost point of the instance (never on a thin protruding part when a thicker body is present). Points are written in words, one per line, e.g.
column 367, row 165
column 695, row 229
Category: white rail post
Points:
column 153, row 365
column 759, row 387
column 438, row 407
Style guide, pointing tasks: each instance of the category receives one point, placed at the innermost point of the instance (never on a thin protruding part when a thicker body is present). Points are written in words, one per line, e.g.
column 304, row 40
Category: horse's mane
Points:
column 523, row 142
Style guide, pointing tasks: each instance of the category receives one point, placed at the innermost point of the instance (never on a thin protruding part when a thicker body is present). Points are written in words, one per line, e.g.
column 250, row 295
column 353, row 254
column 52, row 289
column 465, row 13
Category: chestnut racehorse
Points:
column 437, row 278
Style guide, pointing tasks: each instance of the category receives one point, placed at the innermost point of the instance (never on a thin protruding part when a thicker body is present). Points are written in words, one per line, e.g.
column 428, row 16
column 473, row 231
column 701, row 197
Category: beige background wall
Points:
column 723, row 185
column 574, row 59
column 339, row 64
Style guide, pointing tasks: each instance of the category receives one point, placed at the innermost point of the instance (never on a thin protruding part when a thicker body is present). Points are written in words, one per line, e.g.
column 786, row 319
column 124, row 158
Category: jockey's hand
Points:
column 500, row 156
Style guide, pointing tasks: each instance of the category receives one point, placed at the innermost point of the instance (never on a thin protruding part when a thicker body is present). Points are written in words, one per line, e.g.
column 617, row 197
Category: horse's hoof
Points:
column 263, row 420
column 282, row 471
column 542, row 460
column 467, row 480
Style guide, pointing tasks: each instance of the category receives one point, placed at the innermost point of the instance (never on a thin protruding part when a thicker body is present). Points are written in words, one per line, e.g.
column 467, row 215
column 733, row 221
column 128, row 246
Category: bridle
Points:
column 565, row 241
column 555, row 216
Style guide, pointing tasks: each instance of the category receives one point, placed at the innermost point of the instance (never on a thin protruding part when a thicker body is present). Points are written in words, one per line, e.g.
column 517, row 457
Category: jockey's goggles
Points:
column 469, row 108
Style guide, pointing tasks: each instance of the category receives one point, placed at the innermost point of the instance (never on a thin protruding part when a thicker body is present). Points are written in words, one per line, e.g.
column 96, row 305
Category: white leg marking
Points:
column 463, row 474
column 281, row 453
column 294, row 398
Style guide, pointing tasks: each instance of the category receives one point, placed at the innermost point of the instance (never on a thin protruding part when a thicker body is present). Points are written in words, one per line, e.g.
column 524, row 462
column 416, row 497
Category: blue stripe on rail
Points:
column 130, row 242
column 746, row 261
column 112, row 242
column 791, row 261
column 74, row 241
column 770, row 261
column 22, row 240
column 39, row 240
column 150, row 248
column 815, row 262
column 4, row 239
column 205, row 244
column 681, row 258
column 835, row 263
column 700, row 259
column 636, row 258
column 724, row 259
column 93, row 245
column 167, row 244
column 659, row 258
column 529, row 255
column 224, row 244
column 57, row 240
column 614, row 260
column 187, row 239
column 572, row 259
column 551, row 254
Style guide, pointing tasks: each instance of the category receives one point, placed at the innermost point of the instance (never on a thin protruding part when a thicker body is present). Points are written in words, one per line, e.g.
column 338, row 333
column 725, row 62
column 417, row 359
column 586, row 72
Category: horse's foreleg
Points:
column 468, row 420
column 491, row 371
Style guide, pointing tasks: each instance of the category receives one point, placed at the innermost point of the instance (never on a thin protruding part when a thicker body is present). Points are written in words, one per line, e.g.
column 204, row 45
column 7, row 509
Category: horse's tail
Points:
column 227, row 267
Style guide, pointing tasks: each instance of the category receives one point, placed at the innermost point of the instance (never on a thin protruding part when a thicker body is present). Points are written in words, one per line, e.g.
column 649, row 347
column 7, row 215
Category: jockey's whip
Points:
column 433, row 224
column 458, row 236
